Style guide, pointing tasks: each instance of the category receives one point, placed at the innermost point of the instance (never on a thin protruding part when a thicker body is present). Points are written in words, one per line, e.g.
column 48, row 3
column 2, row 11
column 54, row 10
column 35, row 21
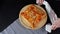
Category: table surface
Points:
column 17, row 28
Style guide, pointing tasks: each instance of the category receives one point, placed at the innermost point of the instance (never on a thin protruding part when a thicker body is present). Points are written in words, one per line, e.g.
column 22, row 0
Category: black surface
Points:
column 9, row 11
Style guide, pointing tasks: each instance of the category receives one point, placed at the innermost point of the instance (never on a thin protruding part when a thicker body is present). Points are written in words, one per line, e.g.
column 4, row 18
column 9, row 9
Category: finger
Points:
column 54, row 27
column 37, row 1
column 42, row 1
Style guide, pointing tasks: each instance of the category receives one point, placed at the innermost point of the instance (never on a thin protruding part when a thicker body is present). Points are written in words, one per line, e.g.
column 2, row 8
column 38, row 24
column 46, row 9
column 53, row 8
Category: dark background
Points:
column 9, row 11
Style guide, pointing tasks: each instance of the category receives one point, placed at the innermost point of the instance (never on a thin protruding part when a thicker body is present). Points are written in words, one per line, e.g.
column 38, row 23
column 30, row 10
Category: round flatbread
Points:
column 33, row 16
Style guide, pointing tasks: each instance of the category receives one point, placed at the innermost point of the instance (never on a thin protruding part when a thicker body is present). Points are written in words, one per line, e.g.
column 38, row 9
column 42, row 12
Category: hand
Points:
column 40, row 2
column 56, row 24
